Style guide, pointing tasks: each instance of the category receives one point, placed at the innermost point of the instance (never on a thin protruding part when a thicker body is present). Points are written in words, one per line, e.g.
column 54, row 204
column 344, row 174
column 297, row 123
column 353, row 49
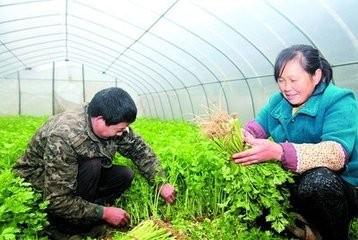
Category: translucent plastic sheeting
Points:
column 330, row 25
column 10, row 99
column 36, row 97
column 346, row 76
column 177, row 58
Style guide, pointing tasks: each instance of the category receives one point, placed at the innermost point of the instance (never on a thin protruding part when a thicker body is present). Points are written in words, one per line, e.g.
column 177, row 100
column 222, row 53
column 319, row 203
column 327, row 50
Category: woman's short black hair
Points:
column 114, row 104
column 309, row 57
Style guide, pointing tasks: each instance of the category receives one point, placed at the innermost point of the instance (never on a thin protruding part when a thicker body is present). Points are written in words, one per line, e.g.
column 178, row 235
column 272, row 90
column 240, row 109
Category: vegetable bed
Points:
column 216, row 199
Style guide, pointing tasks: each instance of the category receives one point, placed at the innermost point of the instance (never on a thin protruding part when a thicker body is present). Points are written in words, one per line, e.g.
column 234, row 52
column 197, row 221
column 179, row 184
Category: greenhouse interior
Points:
column 183, row 63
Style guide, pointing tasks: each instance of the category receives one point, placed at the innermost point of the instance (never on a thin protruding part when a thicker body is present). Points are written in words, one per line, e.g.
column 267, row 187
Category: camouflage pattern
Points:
column 50, row 162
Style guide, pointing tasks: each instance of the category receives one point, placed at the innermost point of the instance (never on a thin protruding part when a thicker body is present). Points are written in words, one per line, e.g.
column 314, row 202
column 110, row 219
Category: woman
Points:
column 313, row 124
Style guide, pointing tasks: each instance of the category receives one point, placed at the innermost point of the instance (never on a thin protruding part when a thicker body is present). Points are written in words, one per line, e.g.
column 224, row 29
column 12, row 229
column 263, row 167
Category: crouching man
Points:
column 69, row 160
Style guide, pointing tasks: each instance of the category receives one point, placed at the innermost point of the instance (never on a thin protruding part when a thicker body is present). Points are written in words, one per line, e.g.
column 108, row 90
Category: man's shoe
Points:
column 302, row 230
column 54, row 234
column 100, row 230
column 75, row 237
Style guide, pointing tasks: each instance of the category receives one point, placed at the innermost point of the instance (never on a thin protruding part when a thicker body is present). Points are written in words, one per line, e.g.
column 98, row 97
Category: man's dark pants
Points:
column 98, row 185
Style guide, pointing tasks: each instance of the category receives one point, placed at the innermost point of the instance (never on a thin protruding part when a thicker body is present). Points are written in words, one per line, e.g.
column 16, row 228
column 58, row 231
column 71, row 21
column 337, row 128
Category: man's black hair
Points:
column 114, row 104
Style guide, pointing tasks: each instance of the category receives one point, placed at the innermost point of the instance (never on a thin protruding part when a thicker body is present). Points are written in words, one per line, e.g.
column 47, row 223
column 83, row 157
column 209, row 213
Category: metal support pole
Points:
column 83, row 83
column 19, row 88
column 53, row 88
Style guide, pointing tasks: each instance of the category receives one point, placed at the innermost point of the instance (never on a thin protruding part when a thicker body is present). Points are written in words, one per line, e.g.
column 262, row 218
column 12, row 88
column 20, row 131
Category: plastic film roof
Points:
column 176, row 58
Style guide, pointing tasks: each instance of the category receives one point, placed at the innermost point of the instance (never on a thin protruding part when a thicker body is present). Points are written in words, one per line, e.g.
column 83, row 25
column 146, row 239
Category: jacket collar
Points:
column 284, row 109
column 89, row 128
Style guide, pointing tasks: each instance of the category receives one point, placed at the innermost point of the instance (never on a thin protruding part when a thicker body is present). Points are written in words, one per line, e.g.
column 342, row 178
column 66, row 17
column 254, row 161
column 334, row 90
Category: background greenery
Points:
column 216, row 199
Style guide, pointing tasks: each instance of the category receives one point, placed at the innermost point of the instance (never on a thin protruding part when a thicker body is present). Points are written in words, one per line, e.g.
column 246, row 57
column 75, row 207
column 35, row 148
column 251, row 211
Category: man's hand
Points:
column 167, row 192
column 115, row 216
column 261, row 150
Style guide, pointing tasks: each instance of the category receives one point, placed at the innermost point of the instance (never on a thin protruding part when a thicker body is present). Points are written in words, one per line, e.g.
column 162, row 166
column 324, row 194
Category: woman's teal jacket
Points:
column 330, row 114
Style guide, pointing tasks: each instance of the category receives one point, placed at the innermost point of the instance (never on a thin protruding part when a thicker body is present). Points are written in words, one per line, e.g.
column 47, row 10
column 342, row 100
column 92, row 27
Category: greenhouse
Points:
column 229, row 106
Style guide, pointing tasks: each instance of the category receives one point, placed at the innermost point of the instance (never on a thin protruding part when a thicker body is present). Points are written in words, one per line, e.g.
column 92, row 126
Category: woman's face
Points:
column 296, row 84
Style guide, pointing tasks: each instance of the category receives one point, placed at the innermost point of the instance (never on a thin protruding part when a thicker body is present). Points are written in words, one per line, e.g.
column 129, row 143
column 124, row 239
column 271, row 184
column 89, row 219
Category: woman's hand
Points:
column 167, row 192
column 261, row 150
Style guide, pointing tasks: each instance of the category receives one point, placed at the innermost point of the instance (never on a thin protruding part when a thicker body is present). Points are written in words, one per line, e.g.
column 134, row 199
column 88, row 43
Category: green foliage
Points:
column 354, row 229
column 252, row 192
column 22, row 213
column 258, row 190
column 222, row 228
column 15, row 133
column 146, row 230
column 209, row 186
column 216, row 198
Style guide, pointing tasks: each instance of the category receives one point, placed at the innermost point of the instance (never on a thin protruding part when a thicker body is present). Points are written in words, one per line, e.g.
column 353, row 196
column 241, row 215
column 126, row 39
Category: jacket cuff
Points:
column 289, row 156
column 99, row 212
column 255, row 129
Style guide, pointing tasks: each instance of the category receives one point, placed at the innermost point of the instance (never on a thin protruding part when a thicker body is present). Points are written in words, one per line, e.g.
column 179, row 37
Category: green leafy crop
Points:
column 208, row 185
column 22, row 212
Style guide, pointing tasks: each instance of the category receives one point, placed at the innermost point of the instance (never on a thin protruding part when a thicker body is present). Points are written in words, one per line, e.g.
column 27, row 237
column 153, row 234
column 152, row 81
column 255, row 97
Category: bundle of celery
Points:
column 146, row 230
column 224, row 130
column 254, row 192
